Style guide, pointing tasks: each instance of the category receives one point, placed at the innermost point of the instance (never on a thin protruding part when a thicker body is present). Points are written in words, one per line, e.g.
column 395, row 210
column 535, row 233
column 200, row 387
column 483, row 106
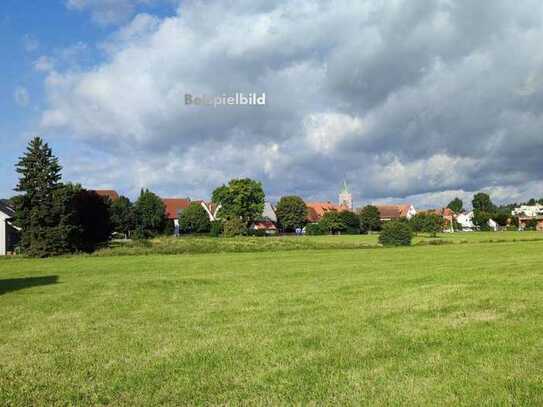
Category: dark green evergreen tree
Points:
column 45, row 224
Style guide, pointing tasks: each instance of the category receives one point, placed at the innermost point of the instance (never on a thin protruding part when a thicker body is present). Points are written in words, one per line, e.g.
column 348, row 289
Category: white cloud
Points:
column 44, row 64
column 30, row 43
column 324, row 131
column 404, row 98
column 21, row 96
column 106, row 12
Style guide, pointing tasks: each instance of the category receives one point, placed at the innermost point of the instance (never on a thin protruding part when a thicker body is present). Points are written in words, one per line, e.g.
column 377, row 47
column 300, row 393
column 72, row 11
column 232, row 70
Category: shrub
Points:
column 216, row 228
column 395, row 233
column 427, row 223
column 332, row 222
column 234, row 227
column 314, row 229
column 257, row 233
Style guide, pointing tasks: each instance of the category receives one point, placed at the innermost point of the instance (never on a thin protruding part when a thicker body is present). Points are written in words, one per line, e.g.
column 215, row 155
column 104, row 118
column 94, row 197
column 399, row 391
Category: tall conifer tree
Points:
column 39, row 213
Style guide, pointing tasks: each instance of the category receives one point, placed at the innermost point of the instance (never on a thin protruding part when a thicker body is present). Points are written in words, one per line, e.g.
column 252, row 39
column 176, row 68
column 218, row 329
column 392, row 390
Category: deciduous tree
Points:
column 370, row 219
column 291, row 213
column 456, row 205
column 194, row 219
column 241, row 198
column 150, row 215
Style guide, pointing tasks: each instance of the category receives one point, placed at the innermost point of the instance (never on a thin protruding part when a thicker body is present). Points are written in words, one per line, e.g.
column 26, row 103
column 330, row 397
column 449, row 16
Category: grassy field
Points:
column 458, row 324
column 191, row 244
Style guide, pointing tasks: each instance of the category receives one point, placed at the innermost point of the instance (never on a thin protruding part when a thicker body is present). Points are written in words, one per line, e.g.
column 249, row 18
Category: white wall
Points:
column 2, row 236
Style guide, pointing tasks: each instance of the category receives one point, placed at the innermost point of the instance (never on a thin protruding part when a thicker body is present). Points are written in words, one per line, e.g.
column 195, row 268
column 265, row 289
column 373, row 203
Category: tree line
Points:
column 57, row 218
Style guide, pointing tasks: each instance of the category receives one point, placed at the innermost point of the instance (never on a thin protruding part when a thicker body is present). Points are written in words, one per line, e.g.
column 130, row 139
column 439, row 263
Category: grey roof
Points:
column 8, row 210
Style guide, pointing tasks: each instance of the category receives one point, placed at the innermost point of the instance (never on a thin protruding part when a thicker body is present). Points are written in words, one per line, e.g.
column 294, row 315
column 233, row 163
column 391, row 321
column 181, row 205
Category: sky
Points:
column 407, row 100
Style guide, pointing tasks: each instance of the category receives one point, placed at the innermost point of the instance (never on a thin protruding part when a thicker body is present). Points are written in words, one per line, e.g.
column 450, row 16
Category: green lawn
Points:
column 458, row 324
column 192, row 244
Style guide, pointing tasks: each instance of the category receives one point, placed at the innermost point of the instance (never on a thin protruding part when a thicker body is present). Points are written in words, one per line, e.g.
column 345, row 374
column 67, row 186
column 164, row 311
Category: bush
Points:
column 427, row 223
column 395, row 233
column 216, row 228
column 234, row 227
column 314, row 229
column 257, row 233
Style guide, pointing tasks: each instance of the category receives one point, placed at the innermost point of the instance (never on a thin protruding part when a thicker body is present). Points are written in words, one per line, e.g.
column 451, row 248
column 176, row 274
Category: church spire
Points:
column 345, row 196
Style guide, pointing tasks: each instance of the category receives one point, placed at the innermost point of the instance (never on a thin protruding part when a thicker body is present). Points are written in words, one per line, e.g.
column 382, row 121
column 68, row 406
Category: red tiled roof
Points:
column 174, row 205
column 107, row 193
column 393, row 211
column 445, row 212
column 316, row 210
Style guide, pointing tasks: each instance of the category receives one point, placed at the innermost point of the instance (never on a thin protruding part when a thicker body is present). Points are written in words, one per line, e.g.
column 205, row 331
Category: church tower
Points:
column 345, row 197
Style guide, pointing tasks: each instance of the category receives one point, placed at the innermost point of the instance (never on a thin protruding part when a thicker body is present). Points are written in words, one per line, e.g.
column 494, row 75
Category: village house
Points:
column 316, row 210
column 173, row 208
column 107, row 193
column 465, row 220
column 267, row 221
column 8, row 233
column 528, row 211
column 396, row 212
column 529, row 214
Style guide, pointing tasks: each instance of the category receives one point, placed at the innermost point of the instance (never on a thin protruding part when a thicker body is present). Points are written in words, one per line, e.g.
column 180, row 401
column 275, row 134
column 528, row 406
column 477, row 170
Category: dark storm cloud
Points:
column 402, row 98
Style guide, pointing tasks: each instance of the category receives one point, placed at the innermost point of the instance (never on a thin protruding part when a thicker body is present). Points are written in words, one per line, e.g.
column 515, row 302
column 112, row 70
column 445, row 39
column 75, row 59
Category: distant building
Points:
column 107, row 193
column 466, row 221
column 493, row 225
column 316, row 210
column 267, row 226
column 174, row 207
column 528, row 211
column 9, row 235
column 395, row 212
column 269, row 212
column 267, row 221
column 529, row 214
column 345, row 197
